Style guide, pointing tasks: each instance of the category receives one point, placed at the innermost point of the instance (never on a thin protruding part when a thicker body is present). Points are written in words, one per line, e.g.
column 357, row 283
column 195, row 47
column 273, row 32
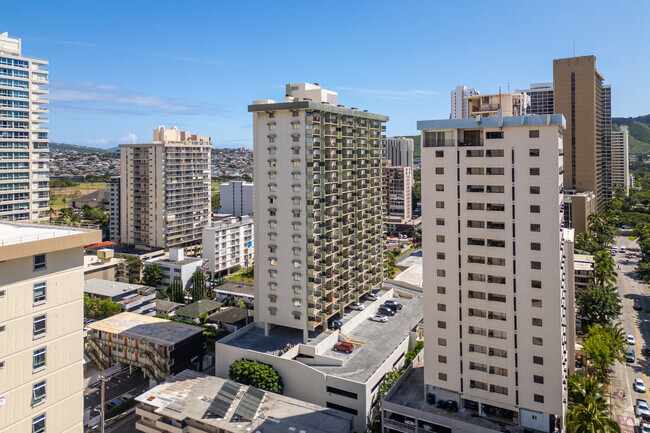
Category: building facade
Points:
column 539, row 98
column 579, row 95
column 133, row 298
column 24, row 144
column 458, row 101
column 495, row 288
column 41, row 327
column 228, row 245
column 176, row 265
column 577, row 208
column 318, row 214
column 165, row 187
column 399, row 205
column 621, row 159
column 114, row 209
column 236, row 198
column 510, row 104
column 399, row 152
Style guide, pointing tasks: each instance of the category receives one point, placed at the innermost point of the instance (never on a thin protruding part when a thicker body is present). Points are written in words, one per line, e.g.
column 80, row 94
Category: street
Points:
column 635, row 323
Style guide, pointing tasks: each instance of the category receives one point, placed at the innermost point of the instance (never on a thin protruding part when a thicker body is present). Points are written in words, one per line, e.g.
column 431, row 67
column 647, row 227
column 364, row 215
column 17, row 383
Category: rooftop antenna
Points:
column 574, row 49
column 508, row 86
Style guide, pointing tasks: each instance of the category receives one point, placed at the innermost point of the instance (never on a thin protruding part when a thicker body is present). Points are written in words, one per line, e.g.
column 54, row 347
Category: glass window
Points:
column 39, row 358
column 39, row 293
column 38, row 424
column 39, row 325
column 38, row 393
column 39, row 262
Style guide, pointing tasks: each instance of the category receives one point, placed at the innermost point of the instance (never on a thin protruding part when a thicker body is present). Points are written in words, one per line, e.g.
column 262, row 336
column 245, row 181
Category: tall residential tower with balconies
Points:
column 318, row 213
column 24, row 146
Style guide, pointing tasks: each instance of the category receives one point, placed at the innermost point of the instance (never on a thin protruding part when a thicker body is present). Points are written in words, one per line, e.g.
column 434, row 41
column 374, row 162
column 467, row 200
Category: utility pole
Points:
column 101, row 421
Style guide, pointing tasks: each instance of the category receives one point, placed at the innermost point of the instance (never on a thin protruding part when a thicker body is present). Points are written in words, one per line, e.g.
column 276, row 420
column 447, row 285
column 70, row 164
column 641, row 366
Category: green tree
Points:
column 588, row 408
column 216, row 201
column 95, row 308
column 410, row 355
column 202, row 318
column 66, row 215
column 603, row 227
column 176, row 292
column 108, row 309
column 604, row 272
column 91, row 306
column 198, row 285
column 603, row 346
column 598, row 305
column 240, row 304
column 586, row 242
column 162, row 294
column 643, row 271
column 152, row 275
column 257, row 374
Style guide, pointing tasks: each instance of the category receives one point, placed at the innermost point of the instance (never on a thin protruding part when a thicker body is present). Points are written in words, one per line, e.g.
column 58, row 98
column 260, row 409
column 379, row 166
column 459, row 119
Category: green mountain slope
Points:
column 416, row 144
column 639, row 128
column 62, row 147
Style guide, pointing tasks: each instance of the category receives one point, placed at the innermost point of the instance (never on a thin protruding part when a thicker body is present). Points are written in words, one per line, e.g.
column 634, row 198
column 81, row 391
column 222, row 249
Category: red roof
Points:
column 99, row 245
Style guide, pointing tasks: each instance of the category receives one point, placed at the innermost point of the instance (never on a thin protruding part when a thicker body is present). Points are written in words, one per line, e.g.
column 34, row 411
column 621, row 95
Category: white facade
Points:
column 177, row 265
column 621, row 159
column 24, row 144
column 228, row 244
column 493, row 254
column 236, row 198
column 114, row 209
column 399, row 151
column 458, row 102
column 399, row 200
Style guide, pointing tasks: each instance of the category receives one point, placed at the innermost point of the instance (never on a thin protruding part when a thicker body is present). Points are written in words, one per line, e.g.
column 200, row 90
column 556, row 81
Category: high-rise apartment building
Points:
column 579, row 95
column 24, row 145
column 165, row 190
column 318, row 214
column 539, row 98
column 114, row 209
column 399, row 181
column 41, row 335
column 458, row 101
column 228, row 244
column 495, row 284
column 399, row 151
column 621, row 159
column 236, row 198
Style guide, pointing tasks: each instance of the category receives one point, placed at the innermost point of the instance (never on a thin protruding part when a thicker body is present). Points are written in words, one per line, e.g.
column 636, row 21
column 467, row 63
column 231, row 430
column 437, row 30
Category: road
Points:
column 636, row 323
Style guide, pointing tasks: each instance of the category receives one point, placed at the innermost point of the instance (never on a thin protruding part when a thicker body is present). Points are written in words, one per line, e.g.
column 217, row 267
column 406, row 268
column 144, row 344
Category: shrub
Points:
column 256, row 374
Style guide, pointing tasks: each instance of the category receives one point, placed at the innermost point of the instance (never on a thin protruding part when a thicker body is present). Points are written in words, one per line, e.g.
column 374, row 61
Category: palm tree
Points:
column 588, row 408
column 604, row 272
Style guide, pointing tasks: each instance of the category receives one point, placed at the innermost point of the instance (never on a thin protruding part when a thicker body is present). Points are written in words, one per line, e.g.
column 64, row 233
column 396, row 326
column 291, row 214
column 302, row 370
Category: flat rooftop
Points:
column 237, row 287
column 19, row 233
column 374, row 341
column 188, row 395
column 492, row 122
column 99, row 287
column 152, row 329
column 183, row 262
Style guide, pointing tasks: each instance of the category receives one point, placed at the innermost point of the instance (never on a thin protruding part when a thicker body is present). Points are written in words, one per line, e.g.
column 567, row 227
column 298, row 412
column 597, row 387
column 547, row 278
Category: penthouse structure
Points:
column 165, row 190
column 24, row 144
column 509, row 104
column 318, row 244
column 41, row 331
column 621, row 159
column 496, row 286
column 459, row 102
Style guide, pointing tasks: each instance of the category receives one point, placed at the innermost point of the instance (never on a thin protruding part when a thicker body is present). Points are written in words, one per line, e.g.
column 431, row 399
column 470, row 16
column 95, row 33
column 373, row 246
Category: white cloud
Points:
column 391, row 94
column 129, row 138
column 97, row 141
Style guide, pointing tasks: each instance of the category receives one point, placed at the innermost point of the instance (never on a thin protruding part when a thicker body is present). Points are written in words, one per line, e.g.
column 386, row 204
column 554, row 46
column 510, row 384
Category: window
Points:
column 538, row 398
column 296, row 187
column 534, row 190
column 533, row 152
column 296, row 162
column 440, row 170
column 39, row 325
column 39, row 293
column 440, row 205
column 273, row 298
column 39, row 262
column 272, row 200
column 273, row 261
column 273, row 224
column 534, row 208
column 442, row 307
column 536, row 284
column 272, row 174
column 535, row 246
column 442, row 359
column 475, row 170
column 442, row 341
column 272, row 212
column 442, row 290
column 273, row 273
column 271, row 149
column 441, row 273
column 296, row 239
column 537, row 321
column 295, row 200
column 38, row 424
column 494, row 171
column 272, row 236
column 295, row 225
column 295, row 213
column 539, row 360
column 495, row 189
column 534, row 171
column 440, row 153
column 493, row 135
column 296, row 251
column 440, row 256
column 296, row 290
column 442, row 325
column 271, row 140
column 272, row 187
column 295, row 139
column 533, row 133
column 442, row 376
column 273, row 286
column 271, row 115
column 536, row 265
column 38, row 393
column 271, row 126
column 271, row 162
column 440, row 187
column 296, row 264
column 537, row 341
column 537, row 303
column 296, row 276
column 295, row 125
column 3, row 293
column 296, row 175
column 535, row 228
column 440, row 221
column 538, row 379
column 39, row 358
column 440, row 238
column 494, row 153
column 273, row 311
column 2, row 365
column 499, row 389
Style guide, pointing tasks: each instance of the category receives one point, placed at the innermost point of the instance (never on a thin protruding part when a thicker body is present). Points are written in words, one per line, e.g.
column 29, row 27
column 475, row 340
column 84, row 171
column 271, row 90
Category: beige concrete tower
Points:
column 24, row 145
column 41, row 321
column 165, row 190
column 620, row 159
column 318, row 213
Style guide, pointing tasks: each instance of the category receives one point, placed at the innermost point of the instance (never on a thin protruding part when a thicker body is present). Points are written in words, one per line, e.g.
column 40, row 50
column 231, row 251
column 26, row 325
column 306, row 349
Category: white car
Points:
column 645, row 427
column 622, row 250
column 372, row 296
column 638, row 385
column 641, row 408
column 630, row 340
column 357, row 306
column 379, row 318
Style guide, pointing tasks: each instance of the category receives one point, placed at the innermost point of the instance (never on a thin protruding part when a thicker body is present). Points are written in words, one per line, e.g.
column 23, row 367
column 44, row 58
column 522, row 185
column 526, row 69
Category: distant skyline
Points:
column 118, row 69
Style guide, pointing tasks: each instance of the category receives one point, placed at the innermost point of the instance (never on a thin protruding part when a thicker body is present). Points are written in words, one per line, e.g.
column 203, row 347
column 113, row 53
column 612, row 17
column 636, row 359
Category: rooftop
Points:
column 166, row 305
column 185, row 261
column 237, row 287
column 19, row 233
column 583, row 262
column 189, row 394
column 195, row 309
column 492, row 122
column 108, row 288
column 152, row 329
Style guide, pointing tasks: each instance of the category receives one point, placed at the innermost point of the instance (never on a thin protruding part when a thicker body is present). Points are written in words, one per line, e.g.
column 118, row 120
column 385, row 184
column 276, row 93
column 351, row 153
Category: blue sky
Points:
column 119, row 69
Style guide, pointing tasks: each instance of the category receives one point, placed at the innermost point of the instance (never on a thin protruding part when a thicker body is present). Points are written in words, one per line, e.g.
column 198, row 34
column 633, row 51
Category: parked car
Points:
column 335, row 324
column 630, row 340
column 629, row 355
column 644, row 427
column 641, row 409
column 385, row 310
column 357, row 306
column 127, row 396
column 344, row 347
column 111, row 404
column 639, row 385
column 622, row 250
column 393, row 304
column 372, row 297
column 379, row 318
column 646, row 350
column 637, row 304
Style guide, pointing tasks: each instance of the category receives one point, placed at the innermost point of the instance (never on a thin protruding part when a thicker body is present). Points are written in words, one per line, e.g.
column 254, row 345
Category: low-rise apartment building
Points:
column 133, row 298
column 177, row 265
column 228, row 245
column 41, row 327
column 235, row 292
column 196, row 402
column 192, row 312
column 159, row 347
